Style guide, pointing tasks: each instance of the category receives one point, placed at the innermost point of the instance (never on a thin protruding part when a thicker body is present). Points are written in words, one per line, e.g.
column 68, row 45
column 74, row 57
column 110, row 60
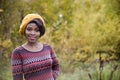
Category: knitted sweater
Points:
column 41, row 65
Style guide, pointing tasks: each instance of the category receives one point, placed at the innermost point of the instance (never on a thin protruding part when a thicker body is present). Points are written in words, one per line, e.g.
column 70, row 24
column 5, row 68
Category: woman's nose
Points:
column 32, row 32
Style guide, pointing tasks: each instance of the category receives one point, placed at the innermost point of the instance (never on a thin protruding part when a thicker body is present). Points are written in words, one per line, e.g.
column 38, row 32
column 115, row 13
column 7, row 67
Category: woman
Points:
column 34, row 60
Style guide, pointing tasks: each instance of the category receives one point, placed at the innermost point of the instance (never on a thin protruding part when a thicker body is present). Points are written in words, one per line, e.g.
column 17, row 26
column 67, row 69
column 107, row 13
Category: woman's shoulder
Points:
column 17, row 49
column 47, row 46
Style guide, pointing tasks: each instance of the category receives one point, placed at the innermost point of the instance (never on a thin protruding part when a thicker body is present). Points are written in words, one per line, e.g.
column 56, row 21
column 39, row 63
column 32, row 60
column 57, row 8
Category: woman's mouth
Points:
column 32, row 38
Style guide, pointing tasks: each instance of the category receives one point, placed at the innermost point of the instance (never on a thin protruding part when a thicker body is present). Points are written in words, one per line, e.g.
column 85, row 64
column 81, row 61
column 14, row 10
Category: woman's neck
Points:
column 33, row 47
column 32, row 44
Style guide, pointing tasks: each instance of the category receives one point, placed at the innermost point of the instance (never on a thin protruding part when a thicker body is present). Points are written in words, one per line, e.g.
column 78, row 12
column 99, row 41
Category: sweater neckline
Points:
column 33, row 51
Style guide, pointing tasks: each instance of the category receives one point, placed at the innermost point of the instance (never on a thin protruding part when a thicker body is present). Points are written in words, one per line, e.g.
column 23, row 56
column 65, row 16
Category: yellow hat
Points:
column 27, row 19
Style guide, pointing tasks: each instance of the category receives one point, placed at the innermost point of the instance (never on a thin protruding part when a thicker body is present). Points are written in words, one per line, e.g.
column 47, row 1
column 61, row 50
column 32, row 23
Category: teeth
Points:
column 32, row 37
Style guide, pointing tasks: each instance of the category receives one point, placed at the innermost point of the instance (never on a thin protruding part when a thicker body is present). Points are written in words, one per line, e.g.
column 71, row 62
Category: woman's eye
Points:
column 37, row 30
column 29, row 29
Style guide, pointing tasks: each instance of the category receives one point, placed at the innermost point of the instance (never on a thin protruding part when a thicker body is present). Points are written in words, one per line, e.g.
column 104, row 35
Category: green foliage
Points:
column 76, row 29
column 84, row 70
column 117, row 49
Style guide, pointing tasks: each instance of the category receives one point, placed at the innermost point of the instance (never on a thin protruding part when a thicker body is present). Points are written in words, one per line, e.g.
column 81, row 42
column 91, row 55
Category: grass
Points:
column 84, row 73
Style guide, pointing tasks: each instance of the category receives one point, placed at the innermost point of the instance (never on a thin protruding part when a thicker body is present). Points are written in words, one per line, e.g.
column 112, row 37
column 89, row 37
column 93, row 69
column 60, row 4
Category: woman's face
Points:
column 32, row 32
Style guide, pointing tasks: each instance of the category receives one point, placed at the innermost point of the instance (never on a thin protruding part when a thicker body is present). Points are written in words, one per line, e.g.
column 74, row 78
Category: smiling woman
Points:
column 34, row 60
column 32, row 32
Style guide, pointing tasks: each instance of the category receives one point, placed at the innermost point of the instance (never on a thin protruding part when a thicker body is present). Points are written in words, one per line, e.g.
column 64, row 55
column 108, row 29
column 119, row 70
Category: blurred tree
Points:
column 73, row 27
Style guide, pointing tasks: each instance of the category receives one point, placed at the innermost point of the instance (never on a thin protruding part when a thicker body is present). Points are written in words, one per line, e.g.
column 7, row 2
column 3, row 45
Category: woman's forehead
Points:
column 33, row 25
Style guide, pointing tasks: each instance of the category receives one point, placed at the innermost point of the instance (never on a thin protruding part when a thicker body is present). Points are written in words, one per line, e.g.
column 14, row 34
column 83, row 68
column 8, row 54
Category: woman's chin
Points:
column 32, row 41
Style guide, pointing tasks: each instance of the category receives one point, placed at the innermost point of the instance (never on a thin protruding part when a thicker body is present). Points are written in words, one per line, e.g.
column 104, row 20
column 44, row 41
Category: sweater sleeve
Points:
column 55, row 64
column 16, row 63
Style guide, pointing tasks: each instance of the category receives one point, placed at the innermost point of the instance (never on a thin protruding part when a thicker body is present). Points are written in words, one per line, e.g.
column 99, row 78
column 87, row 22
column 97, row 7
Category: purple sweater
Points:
column 41, row 65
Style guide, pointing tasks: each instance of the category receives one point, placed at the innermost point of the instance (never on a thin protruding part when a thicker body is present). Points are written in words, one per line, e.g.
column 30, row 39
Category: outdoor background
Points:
column 85, row 35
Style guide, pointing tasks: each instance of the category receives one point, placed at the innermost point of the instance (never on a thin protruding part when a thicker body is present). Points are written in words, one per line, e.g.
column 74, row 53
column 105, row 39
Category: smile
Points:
column 32, row 37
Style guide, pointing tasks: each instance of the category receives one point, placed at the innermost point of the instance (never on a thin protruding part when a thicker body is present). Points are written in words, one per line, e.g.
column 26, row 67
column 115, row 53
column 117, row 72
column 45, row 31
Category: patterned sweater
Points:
column 41, row 65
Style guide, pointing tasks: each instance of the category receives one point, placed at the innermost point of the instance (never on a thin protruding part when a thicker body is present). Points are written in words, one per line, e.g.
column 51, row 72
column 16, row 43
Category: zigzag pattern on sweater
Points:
column 41, row 65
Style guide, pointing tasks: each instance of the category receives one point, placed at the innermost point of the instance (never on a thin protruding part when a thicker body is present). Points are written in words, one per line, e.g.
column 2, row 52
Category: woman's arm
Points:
column 16, row 62
column 55, row 64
